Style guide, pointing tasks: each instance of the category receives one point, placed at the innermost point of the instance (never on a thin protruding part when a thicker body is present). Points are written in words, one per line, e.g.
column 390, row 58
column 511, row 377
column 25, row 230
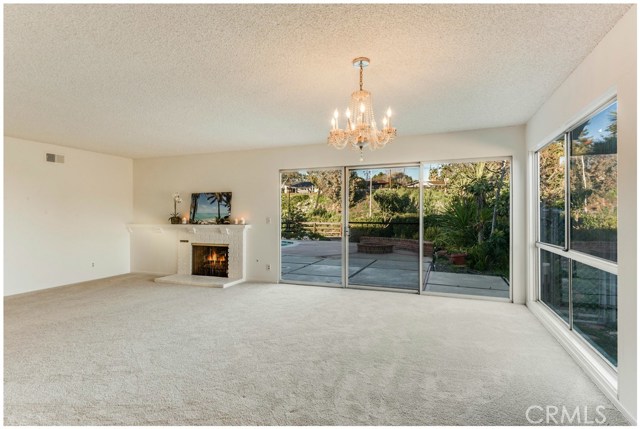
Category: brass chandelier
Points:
column 361, row 130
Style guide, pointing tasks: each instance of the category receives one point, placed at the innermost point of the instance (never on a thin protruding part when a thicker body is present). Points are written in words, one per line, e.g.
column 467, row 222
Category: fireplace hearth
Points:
column 210, row 260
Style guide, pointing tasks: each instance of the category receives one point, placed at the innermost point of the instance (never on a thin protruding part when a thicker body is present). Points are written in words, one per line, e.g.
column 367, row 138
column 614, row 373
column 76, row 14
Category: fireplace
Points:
column 210, row 260
column 195, row 256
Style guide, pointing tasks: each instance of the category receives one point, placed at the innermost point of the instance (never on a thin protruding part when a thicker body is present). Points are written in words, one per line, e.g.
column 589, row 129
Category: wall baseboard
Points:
column 31, row 292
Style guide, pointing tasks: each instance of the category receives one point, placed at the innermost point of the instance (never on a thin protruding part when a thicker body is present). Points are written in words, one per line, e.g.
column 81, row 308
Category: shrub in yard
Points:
column 404, row 226
column 394, row 201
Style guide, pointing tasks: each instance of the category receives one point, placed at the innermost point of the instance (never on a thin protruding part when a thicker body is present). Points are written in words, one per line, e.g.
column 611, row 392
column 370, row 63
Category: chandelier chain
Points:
column 360, row 75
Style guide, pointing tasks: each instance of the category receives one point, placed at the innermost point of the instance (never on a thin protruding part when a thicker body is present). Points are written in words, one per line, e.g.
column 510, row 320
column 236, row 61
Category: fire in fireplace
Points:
column 210, row 260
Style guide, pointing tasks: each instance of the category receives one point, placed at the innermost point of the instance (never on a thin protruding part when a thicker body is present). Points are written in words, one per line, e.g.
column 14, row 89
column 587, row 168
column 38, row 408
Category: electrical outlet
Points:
column 93, row 264
column 268, row 267
column 268, row 219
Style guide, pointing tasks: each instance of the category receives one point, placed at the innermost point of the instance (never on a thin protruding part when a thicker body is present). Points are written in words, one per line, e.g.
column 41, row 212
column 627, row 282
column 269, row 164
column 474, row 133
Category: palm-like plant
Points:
column 220, row 198
column 457, row 224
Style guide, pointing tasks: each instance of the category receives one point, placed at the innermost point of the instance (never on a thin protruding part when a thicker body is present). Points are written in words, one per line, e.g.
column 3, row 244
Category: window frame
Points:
column 566, row 251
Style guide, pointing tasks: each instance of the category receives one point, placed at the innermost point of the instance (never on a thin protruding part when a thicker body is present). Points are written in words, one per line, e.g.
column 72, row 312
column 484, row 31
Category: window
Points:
column 577, row 229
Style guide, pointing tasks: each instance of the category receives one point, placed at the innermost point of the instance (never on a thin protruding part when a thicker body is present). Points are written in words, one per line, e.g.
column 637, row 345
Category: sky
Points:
column 597, row 126
column 412, row 172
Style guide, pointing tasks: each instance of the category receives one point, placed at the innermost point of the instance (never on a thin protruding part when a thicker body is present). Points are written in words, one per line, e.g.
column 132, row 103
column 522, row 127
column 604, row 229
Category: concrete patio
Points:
column 320, row 262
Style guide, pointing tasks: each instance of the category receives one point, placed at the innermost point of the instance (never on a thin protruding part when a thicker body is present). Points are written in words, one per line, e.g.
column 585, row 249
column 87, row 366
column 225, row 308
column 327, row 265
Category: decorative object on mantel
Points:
column 361, row 130
column 175, row 216
column 210, row 208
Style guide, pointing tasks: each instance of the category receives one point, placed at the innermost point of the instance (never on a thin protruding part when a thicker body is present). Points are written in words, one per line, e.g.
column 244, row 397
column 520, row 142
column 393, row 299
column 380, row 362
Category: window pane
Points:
column 593, row 178
column 384, row 227
column 311, row 213
column 595, row 309
column 466, row 227
column 551, row 162
column 554, row 283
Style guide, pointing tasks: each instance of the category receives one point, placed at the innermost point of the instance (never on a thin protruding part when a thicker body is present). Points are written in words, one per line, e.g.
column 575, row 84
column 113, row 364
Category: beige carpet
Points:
column 132, row 352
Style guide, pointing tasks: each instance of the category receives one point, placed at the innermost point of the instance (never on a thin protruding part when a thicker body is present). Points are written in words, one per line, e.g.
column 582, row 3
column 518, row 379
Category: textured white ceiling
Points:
column 158, row 80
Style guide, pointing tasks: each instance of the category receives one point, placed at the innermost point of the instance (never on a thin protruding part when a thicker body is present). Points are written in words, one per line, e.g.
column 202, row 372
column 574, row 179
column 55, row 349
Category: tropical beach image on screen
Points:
column 210, row 207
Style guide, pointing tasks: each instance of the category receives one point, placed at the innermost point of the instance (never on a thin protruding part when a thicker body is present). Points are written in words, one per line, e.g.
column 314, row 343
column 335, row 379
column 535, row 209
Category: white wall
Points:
column 610, row 68
column 253, row 177
column 59, row 218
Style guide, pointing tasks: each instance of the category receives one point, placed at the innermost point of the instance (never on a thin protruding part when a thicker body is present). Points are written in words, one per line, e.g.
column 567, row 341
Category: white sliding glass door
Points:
column 383, row 225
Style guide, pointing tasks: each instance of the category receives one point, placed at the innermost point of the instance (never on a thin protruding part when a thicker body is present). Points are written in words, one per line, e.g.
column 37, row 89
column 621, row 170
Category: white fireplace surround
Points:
column 232, row 235
column 212, row 235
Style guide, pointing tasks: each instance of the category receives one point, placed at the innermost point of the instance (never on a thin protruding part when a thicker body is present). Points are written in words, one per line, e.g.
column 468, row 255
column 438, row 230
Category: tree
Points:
column 494, row 216
column 357, row 188
column 194, row 204
column 400, row 180
column 467, row 209
column 394, row 202
column 328, row 183
column 219, row 198
column 290, row 177
column 593, row 177
column 551, row 162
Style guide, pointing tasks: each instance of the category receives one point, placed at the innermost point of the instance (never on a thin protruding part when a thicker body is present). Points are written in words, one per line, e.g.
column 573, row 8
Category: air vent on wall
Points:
column 52, row 157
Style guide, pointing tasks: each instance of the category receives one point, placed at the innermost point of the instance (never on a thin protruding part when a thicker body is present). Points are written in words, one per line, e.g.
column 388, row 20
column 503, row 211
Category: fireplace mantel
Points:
column 232, row 235
column 193, row 228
